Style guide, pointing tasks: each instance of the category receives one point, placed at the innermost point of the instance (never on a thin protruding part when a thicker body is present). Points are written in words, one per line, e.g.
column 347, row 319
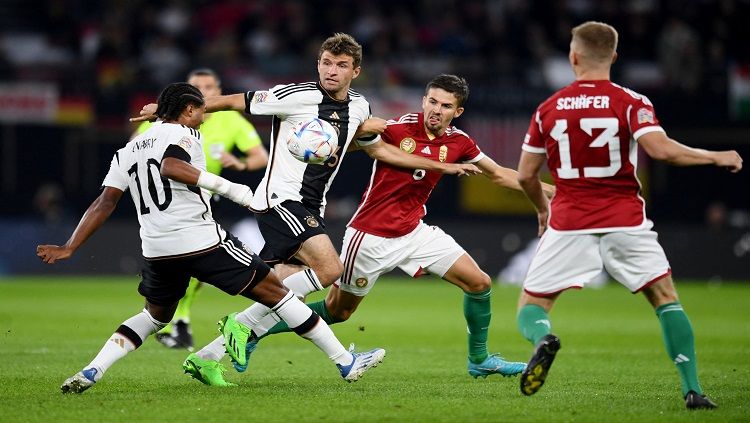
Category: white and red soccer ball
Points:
column 312, row 141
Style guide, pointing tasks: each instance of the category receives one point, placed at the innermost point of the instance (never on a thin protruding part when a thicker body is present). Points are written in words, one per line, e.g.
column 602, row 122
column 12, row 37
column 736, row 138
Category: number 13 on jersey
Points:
column 607, row 138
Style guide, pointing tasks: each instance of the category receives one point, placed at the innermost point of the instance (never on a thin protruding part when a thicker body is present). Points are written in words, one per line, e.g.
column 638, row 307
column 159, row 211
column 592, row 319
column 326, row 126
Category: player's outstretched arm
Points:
column 182, row 171
column 392, row 155
column 371, row 126
column 528, row 177
column 93, row 219
column 660, row 147
column 506, row 177
column 213, row 104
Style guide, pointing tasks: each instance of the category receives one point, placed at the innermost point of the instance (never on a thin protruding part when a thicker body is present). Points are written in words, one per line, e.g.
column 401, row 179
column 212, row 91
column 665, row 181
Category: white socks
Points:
column 298, row 316
column 129, row 336
column 303, row 283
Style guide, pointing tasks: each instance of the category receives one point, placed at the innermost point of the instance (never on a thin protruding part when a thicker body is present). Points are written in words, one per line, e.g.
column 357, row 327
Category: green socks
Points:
column 478, row 312
column 318, row 307
column 533, row 322
column 680, row 344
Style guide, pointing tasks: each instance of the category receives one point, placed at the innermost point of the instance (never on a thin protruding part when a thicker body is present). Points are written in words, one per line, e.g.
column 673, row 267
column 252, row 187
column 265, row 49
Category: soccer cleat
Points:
column 696, row 401
column 235, row 338
column 167, row 340
column 79, row 382
column 494, row 364
column 209, row 372
column 361, row 362
column 536, row 370
column 252, row 343
column 183, row 335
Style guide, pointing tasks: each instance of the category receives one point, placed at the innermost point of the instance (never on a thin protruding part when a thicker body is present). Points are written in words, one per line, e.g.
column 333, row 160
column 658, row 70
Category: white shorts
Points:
column 426, row 249
column 562, row 261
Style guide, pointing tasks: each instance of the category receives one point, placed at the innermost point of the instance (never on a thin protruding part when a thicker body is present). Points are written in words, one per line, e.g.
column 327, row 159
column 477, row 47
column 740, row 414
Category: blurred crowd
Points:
column 513, row 52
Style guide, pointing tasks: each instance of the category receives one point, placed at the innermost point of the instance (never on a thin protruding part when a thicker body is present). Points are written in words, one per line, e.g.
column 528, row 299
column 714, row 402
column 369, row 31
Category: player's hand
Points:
column 542, row 220
column 52, row 253
column 461, row 169
column 240, row 194
column 371, row 126
column 229, row 161
column 148, row 113
column 549, row 190
column 730, row 160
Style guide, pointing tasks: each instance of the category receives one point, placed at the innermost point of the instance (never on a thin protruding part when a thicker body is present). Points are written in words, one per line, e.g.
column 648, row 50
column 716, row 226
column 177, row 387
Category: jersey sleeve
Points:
column 279, row 101
column 116, row 176
column 245, row 135
column 188, row 141
column 642, row 117
column 534, row 141
column 369, row 139
column 471, row 152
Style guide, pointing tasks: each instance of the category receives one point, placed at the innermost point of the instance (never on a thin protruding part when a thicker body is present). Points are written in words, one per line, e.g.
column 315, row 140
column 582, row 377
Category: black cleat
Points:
column 167, row 340
column 536, row 370
column 694, row 401
column 183, row 335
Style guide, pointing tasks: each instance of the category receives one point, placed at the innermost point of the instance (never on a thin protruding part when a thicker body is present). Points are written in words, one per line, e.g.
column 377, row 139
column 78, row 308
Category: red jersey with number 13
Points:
column 589, row 132
column 394, row 202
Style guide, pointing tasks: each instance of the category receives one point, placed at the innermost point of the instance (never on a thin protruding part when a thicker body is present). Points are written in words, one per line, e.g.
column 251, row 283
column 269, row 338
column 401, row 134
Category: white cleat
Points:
column 361, row 362
column 79, row 382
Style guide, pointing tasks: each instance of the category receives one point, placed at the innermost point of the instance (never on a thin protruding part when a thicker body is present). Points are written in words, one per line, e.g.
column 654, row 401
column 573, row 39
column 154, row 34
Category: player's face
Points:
column 439, row 107
column 195, row 115
column 336, row 73
column 207, row 84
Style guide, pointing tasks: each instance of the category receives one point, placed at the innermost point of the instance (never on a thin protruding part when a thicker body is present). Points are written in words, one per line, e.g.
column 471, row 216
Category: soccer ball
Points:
column 312, row 141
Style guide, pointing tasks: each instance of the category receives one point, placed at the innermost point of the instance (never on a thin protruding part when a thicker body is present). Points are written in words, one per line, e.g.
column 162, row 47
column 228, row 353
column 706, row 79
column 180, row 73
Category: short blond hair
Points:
column 595, row 40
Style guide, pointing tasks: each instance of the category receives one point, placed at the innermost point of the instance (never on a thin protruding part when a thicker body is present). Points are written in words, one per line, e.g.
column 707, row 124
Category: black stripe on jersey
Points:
column 195, row 190
column 298, row 89
column 317, row 177
column 275, row 126
column 285, row 91
column 353, row 93
column 176, row 152
column 117, row 157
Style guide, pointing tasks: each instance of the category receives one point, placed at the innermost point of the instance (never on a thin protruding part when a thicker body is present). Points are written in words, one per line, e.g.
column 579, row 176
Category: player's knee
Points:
column 341, row 314
column 330, row 273
column 480, row 283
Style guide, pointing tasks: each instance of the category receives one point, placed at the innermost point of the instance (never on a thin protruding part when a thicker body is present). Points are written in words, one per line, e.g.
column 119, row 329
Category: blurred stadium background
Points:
column 73, row 71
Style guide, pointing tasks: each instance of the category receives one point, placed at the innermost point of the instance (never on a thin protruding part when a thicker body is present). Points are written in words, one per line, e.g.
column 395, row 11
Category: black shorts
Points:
column 285, row 227
column 227, row 266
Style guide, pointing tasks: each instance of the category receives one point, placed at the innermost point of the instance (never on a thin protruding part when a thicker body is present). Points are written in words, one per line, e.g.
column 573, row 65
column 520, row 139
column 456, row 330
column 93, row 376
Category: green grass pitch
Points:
column 612, row 366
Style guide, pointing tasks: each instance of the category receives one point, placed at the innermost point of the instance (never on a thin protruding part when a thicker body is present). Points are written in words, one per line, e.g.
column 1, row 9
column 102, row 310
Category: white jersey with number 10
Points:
column 175, row 218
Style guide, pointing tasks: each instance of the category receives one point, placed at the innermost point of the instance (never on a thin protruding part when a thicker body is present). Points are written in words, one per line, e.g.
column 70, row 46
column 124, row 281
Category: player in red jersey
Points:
column 387, row 230
column 589, row 132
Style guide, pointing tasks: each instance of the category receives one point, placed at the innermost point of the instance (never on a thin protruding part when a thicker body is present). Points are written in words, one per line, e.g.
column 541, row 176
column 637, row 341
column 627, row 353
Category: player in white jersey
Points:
column 290, row 200
column 164, row 168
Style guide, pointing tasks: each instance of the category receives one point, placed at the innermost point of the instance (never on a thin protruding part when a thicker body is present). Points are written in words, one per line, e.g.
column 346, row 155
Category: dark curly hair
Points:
column 175, row 97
